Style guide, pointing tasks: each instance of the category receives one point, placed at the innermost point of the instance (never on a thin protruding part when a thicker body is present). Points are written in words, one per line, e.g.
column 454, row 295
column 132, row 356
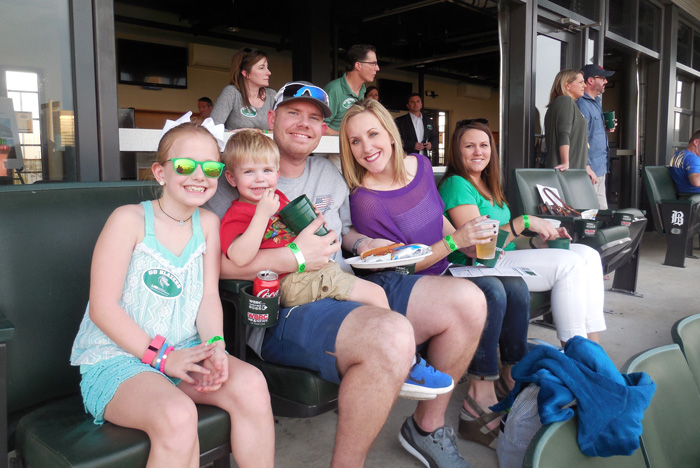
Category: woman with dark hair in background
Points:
column 244, row 103
column 372, row 93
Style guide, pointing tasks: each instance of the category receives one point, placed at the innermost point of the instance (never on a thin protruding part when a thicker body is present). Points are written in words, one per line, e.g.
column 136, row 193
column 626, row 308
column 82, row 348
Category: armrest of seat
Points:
column 7, row 329
column 234, row 327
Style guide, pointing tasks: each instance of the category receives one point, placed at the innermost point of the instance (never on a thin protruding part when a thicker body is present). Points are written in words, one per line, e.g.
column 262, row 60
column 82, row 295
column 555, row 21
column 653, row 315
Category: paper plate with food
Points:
column 390, row 256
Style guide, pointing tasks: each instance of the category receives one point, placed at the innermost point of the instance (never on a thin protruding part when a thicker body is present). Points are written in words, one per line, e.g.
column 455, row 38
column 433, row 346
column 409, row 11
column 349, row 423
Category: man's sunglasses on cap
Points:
column 304, row 90
column 186, row 166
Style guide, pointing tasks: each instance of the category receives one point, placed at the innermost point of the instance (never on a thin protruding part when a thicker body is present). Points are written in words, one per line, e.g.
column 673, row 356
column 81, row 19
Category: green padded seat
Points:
column 686, row 334
column 47, row 236
column 671, row 425
column 676, row 217
column 555, row 446
column 62, row 435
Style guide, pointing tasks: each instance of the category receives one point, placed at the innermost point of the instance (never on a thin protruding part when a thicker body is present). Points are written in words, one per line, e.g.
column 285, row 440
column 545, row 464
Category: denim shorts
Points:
column 305, row 335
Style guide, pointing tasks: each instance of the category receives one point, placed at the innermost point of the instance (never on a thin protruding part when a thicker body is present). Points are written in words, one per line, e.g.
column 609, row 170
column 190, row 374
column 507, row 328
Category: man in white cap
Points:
column 368, row 350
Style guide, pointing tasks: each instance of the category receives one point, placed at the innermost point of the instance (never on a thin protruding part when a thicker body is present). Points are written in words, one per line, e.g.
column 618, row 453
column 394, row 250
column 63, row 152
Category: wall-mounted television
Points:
column 393, row 94
column 153, row 65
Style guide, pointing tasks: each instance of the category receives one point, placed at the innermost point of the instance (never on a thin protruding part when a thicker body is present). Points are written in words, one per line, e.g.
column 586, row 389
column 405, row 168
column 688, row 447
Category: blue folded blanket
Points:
column 610, row 405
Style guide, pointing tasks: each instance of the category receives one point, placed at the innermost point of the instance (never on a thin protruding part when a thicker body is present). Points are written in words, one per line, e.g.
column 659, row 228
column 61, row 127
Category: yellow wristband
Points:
column 450, row 243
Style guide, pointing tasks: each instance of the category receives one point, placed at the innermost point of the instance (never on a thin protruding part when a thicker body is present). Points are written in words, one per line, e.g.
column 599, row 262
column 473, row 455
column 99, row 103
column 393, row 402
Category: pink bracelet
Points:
column 153, row 349
column 165, row 356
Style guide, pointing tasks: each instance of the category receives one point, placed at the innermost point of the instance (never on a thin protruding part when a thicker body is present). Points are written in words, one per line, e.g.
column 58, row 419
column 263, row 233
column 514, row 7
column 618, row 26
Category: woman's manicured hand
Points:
column 471, row 234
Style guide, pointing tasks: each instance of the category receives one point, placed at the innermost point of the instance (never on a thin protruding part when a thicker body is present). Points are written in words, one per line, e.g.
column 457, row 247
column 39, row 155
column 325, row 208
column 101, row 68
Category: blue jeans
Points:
column 508, row 304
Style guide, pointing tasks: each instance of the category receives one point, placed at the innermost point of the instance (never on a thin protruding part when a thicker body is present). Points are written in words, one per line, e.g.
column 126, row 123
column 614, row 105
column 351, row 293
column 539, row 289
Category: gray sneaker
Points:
column 436, row 450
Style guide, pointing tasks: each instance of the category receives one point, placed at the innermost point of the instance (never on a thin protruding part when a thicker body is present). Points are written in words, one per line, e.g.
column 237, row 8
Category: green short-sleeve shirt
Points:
column 456, row 191
column 341, row 98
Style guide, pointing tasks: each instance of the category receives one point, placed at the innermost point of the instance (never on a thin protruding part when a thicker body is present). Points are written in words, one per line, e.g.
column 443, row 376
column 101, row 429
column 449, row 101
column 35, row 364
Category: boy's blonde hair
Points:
column 250, row 145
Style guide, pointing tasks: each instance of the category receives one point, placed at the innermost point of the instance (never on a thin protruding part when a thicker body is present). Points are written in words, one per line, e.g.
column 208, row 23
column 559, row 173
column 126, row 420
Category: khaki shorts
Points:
column 309, row 286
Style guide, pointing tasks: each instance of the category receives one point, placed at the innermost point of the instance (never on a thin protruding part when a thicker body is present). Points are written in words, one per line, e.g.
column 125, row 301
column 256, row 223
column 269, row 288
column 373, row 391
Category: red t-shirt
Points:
column 238, row 217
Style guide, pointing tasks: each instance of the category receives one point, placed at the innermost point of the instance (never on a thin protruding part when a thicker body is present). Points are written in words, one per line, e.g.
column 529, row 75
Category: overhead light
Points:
column 233, row 29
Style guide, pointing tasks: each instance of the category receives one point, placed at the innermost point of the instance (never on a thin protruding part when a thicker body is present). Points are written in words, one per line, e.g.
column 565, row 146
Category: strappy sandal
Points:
column 501, row 387
column 476, row 429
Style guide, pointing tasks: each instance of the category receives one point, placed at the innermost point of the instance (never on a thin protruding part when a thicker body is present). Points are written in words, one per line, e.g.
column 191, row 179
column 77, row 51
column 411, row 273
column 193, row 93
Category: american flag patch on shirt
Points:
column 323, row 203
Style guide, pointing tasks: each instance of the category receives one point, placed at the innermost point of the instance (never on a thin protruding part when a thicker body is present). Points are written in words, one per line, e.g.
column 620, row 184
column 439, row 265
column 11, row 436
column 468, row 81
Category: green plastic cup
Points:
column 609, row 119
column 491, row 262
column 298, row 214
column 560, row 243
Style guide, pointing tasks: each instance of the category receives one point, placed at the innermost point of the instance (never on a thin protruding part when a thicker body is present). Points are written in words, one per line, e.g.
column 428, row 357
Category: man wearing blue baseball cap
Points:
column 590, row 105
column 368, row 350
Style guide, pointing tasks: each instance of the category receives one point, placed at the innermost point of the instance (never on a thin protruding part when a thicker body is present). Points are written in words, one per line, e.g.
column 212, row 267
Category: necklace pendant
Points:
column 182, row 223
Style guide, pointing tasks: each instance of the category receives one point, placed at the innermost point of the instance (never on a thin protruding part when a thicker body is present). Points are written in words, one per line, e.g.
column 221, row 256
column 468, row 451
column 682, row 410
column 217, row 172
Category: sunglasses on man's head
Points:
column 186, row 166
column 310, row 91
column 465, row 122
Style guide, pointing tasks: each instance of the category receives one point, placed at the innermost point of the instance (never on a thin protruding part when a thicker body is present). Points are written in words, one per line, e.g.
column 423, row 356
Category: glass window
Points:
column 36, row 72
column 587, row 8
column 442, row 129
column 685, row 37
column 696, row 51
column 591, row 47
column 649, row 25
column 684, row 93
column 622, row 18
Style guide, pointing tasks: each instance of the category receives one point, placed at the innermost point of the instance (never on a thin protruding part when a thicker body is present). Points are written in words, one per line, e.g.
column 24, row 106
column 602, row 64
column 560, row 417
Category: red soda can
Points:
column 266, row 284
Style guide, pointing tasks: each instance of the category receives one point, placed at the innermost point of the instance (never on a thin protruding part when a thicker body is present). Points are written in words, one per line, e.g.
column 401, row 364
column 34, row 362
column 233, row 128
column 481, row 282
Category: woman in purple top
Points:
column 393, row 196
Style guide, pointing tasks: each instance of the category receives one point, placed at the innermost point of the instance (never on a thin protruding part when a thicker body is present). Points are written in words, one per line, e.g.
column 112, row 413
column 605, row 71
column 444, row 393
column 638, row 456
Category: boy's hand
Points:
column 268, row 204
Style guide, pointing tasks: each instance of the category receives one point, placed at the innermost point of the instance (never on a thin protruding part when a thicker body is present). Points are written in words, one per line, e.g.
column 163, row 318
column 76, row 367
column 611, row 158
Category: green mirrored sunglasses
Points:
column 186, row 166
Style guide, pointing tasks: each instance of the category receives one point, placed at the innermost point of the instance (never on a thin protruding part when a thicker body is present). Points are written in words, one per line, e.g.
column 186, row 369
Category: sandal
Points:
column 475, row 429
column 501, row 388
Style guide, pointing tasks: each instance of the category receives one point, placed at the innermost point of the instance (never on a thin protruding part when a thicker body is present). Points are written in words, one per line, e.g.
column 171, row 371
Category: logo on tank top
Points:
column 249, row 112
column 162, row 282
column 348, row 103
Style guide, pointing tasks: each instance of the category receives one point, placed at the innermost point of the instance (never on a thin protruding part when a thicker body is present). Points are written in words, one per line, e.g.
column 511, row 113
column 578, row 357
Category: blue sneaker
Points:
column 424, row 382
column 436, row 450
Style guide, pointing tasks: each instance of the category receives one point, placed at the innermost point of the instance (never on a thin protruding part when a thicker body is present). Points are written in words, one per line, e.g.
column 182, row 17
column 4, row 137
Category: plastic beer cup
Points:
column 488, row 251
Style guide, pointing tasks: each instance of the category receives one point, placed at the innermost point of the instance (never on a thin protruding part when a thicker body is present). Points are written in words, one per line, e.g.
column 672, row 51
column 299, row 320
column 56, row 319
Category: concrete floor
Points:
column 634, row 325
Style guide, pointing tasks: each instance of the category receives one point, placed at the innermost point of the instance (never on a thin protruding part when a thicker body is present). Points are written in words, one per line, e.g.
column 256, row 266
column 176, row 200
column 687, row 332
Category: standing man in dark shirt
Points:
column 418, row 132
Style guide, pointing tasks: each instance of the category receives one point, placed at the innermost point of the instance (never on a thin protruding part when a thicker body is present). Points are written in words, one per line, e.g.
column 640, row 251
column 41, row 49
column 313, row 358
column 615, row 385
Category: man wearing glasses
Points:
column 345, row 91
column 368, row 350
column 590, row 105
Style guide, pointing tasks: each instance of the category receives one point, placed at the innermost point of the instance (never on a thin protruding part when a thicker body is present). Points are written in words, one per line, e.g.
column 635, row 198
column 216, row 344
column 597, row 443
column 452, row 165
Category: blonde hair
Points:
column 181, row 130
column 250, row 145
column 564, row 77
column 352, row 170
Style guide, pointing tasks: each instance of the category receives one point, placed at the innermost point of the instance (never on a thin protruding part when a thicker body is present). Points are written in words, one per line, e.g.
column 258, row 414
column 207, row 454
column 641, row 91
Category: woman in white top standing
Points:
column 244, row 103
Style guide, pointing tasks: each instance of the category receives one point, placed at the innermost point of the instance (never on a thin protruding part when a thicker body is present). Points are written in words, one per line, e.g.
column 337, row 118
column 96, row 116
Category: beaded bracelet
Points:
column 165, row 356
column 153, row 349
column 357, row 244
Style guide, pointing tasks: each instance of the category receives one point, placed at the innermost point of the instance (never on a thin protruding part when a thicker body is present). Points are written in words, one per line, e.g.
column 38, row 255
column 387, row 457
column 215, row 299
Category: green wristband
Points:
column 450, row 243
column 526, row 222
column 214, row 339
column 299, row 256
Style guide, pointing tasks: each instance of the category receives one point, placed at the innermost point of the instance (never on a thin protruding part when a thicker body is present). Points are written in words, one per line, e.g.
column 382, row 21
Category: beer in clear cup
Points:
column 488, row 251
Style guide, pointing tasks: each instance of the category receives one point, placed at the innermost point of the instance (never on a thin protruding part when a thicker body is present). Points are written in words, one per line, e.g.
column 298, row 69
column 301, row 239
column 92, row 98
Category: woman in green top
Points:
column 565, row 128
column 472, row 187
